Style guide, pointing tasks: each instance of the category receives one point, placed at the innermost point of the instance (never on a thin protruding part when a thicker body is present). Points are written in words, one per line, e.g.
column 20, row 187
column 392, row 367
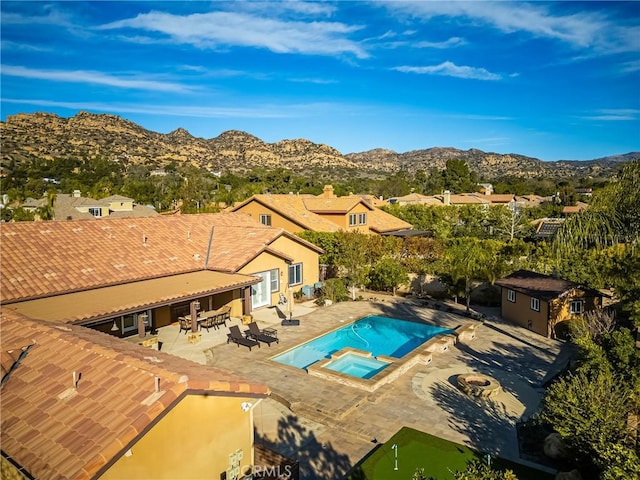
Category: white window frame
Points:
column 134, row 325
column 353, row 219
column 95, row 210
column 265, row 219
column 294, row 267
column 362, row 218
column 535, row 304
column 576, row 311
column 275, row 280
column 511, row 295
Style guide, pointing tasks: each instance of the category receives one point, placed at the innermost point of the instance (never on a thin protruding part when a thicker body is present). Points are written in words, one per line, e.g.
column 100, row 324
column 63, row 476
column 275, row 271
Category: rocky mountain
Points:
column 46, row 136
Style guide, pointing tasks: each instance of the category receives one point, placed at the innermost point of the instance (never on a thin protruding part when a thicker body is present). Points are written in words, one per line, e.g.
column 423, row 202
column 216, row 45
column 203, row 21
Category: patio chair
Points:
column 265, row 336
column 208, row 322
column 223, row 315
column 185, row 324
column 236, row 337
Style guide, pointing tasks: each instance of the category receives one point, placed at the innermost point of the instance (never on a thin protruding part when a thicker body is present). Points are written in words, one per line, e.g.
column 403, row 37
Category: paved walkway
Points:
column 330, row 426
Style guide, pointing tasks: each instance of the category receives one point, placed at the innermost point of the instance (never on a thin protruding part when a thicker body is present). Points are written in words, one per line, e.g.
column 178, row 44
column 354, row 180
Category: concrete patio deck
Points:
column 329, row 426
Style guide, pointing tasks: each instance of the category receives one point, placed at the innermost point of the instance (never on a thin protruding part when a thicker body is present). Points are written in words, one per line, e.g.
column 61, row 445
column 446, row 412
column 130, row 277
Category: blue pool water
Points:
column 379, row 335
column 357, row 365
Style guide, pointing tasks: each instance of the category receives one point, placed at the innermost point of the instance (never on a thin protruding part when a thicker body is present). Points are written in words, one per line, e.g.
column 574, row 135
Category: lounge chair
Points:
column 235, row 336
column 265, row 336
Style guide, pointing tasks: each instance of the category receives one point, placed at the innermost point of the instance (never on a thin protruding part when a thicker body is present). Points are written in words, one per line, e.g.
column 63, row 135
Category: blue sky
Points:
column 556, row 80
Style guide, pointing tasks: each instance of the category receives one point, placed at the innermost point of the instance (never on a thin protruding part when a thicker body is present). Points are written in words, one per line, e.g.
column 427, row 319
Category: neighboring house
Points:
column 541, row 303
column 577, row 208
column 77, row 207
column 117, row 275
column 79, row 404
column 547, row 228
column 322, row 213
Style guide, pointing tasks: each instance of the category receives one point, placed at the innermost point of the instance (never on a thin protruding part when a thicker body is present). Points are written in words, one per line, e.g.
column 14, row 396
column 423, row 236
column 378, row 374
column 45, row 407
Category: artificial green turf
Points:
column 438, row 457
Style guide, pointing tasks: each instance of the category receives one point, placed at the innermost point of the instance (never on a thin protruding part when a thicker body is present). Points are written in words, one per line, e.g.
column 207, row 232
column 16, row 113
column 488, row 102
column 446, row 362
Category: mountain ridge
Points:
column 45, row 136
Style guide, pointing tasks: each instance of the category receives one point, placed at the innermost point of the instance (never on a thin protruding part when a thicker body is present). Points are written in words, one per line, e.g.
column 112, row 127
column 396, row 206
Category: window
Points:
column 511, row 295
column 295, row 274
column 95, row 211
column 275, row 280
column 265, row 219
column 362, row 219
column 130, row 322
column 576, row 307
column 535, row 304
column 353, row 219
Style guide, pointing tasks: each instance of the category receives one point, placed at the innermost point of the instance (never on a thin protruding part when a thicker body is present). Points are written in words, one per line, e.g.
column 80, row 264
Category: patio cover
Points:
column 90, row 306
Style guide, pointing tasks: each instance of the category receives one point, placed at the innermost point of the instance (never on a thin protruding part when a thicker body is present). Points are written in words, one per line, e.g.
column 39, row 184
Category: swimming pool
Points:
column 376, row 334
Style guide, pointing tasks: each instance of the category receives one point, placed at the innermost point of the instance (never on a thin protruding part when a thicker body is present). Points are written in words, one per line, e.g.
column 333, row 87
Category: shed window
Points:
column 511, row 295
column 576, row 307
column 535, row 304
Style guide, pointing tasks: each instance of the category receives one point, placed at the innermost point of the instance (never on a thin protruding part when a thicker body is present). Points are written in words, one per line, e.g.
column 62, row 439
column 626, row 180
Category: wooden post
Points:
column 246, row 304
column 141, row 327
column 194, row 316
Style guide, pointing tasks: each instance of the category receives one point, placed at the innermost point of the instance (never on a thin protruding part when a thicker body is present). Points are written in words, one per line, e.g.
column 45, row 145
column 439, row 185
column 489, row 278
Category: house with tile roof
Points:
column 80, row 404
column 322, row 213
column 542, row 303
column 77, row 207
column 117, row 275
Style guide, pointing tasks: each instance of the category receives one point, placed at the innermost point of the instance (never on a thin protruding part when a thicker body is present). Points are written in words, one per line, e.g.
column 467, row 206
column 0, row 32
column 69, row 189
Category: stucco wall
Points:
column 194, row 440
column 561, row 307
column 255, row 209
column 520, row 312
column 342, row 219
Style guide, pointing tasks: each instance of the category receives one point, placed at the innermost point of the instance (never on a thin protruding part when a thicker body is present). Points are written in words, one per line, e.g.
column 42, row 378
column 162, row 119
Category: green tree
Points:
column 469, row 259
column 352, row 257
column 479, row 470
column 588, row 411
column 458, row 178
column 387, row 274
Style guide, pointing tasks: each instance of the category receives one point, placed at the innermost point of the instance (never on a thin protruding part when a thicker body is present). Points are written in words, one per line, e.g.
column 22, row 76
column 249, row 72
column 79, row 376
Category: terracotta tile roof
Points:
column 333, row 205
column 540, row 286
column 499, row 197
column 117, row 198
column 296, row 209
column 88, row 306
column 56, row 431
column 45, row 258
column 381, row 222
column 580, row 206
column 293, row 208
column 139, row 211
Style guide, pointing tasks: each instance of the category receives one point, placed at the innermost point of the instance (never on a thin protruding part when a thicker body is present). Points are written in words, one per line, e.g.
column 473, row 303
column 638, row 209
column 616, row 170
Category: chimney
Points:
column 327, row 191
column 76, row 194
column 447, row 197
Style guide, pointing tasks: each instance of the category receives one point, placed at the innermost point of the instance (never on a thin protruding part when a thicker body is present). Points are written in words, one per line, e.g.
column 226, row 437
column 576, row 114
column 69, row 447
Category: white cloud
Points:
column 630, row 67
column 93, row 77
column 451, row 42
column 254, row 111
column 215, row 29
column 450, row 69
column 25, row 47
column 584, row 30
column 614, row 115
